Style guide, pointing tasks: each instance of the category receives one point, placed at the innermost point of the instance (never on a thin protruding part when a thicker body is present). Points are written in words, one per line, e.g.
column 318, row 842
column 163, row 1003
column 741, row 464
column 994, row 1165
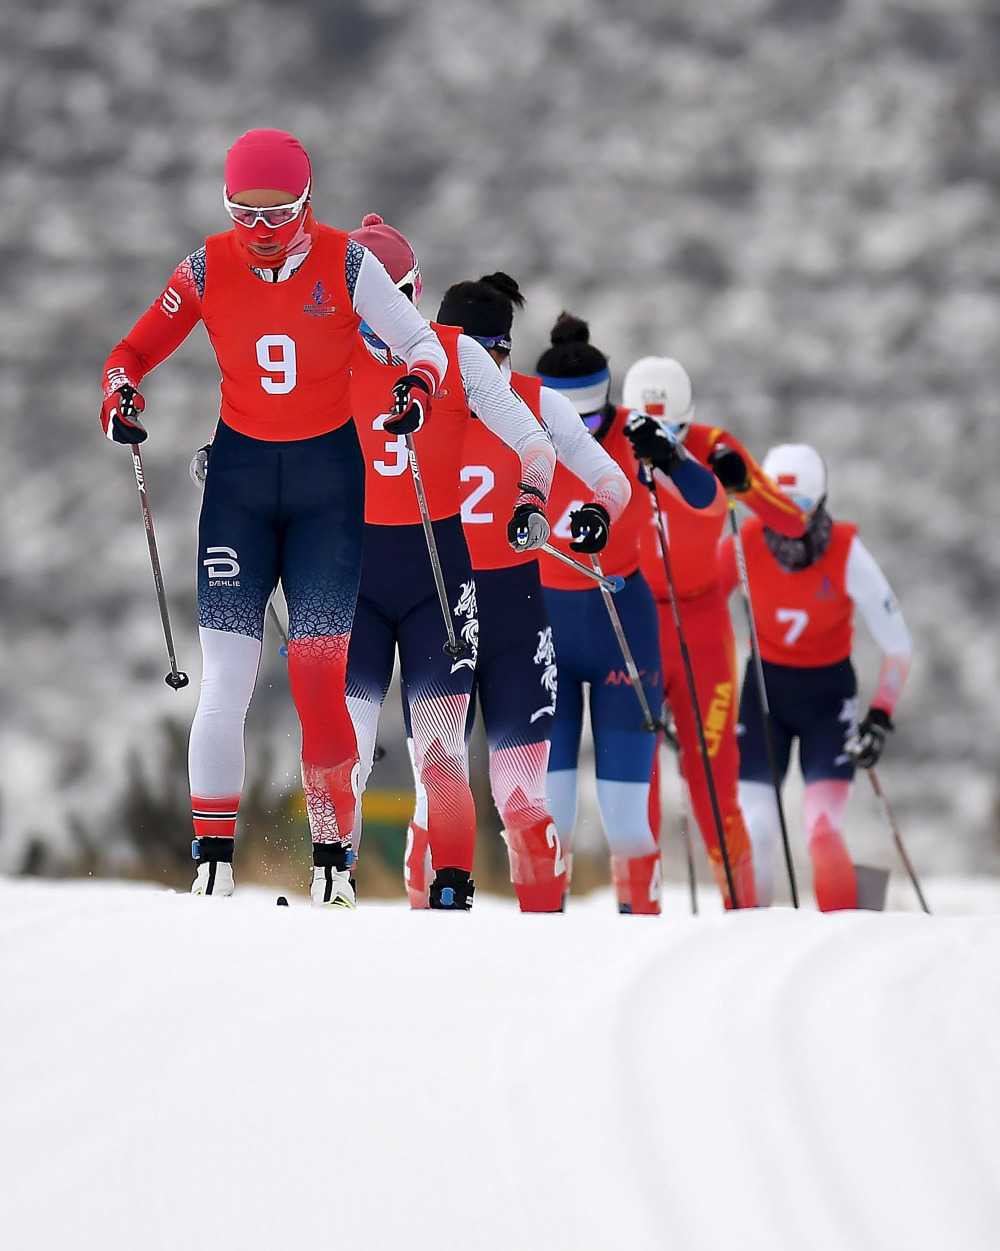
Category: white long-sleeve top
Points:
column 499, row 408
column 872, row 595
column 581, row 453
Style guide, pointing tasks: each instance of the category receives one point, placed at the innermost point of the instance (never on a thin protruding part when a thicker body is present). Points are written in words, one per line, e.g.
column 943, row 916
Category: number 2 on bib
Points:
column 276, row 356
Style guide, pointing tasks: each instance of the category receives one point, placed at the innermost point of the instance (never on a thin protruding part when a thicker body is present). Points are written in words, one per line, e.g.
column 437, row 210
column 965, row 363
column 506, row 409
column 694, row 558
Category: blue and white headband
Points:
column 588, row 394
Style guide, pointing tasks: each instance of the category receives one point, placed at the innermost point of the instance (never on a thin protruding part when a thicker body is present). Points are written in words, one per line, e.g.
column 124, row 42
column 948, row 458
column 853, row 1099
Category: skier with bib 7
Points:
column 805, row 592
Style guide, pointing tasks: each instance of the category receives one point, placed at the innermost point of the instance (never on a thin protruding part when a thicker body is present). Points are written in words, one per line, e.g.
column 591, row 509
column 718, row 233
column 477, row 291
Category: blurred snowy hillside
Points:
column 797, row 198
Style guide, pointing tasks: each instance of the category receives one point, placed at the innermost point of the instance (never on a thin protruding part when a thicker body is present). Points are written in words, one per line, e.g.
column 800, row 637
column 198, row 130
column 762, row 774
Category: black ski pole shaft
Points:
column 706, row 761
column 175, row 678
column 649, row 722
column 452, row 647
column 897, row 838
column 765, row 709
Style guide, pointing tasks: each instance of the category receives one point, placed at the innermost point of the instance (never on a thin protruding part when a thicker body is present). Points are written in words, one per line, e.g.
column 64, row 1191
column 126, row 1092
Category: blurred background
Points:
column 796, row 198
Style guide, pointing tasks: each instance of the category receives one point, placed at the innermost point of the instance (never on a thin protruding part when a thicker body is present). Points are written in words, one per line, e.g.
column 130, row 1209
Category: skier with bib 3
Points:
column 399, row 606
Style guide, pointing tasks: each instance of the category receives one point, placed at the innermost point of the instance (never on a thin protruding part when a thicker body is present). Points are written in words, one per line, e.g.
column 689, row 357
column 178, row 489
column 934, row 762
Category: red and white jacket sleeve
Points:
column 868, row 587
column 763, row 496
column 501, row 409
column 582, row 455
column 157, row 333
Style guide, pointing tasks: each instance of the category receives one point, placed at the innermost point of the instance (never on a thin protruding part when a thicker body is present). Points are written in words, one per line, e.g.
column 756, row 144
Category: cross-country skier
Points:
column 282, row 297
column 516, row 675
column 398, row 606
column 587, row 649
column 804, row 594
column 659, row 388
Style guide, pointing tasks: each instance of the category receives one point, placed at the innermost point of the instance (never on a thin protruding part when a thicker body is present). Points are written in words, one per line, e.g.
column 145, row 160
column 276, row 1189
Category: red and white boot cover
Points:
column 835, row 881
column 638, row 883
column 538, row 869
column 417, row 869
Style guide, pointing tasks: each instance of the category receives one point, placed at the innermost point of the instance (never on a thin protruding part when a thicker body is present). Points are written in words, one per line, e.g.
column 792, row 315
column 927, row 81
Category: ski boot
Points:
column 332, row 886
column 452, row 890
column 215, row 866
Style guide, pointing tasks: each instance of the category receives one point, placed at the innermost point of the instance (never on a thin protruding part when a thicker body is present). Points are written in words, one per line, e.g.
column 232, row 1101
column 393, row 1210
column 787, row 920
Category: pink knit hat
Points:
column 387, row 245
column 268, row 159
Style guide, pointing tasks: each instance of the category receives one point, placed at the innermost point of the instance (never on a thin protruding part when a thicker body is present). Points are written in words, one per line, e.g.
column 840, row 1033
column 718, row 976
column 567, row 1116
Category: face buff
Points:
column 795, row 554
column 276, row 161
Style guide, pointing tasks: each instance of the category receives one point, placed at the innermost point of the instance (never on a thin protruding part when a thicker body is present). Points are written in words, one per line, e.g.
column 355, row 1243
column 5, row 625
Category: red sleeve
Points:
column 158, row 332
column 728, row 576
column 771, row 505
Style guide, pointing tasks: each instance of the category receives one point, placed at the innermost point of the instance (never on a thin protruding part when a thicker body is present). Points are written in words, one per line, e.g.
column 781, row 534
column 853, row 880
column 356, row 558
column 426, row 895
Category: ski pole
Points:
column 612, row 582
column 670, row 738
column 272, row 613
column 765, row 710
column 689, row 854
column 452, row 647
column 175, row 678
column 649, row 722
column 897, row 838
column 706, row 762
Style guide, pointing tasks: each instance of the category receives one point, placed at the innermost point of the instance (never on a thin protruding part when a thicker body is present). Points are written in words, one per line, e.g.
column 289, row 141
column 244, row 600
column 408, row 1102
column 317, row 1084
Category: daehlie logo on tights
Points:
column 222, row 566
column 321, row 304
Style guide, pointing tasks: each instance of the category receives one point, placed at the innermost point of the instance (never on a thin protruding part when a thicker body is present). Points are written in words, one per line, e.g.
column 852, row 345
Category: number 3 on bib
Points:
column 276, row 356
column 395, row 446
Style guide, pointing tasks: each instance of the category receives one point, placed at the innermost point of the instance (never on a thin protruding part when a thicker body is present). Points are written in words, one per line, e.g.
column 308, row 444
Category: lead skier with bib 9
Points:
column 282, row 297
column 804, row 594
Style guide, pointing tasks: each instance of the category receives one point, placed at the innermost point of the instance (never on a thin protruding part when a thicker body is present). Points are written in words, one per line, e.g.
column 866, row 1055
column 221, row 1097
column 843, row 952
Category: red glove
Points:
column 120, row 415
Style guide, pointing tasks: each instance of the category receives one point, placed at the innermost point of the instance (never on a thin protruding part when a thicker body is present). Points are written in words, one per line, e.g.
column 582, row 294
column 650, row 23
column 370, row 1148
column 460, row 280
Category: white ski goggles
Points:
column 277, row 215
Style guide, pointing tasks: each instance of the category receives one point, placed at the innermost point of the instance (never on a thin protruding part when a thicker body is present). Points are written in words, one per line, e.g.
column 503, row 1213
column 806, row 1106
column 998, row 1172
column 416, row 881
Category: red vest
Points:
column 390, row 495
column 621, row 555
column 490, row 474
column 284, row 348
column 804, row 619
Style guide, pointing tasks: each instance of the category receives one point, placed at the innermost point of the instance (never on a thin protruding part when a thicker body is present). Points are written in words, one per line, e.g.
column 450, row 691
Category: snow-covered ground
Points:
column 203, row 1074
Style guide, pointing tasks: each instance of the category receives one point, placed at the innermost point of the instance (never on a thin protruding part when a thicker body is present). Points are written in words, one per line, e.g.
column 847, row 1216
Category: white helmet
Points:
column 799, row 472
column 660, row 387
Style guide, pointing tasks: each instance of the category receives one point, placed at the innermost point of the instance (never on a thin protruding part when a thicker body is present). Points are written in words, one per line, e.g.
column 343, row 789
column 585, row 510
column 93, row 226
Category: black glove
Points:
column 590, row 526
column 198, row 469
column 865, row 747
column 730, row 468
column 411, row 406
column 652, row 441
column 120, row 415
column 528, row 528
